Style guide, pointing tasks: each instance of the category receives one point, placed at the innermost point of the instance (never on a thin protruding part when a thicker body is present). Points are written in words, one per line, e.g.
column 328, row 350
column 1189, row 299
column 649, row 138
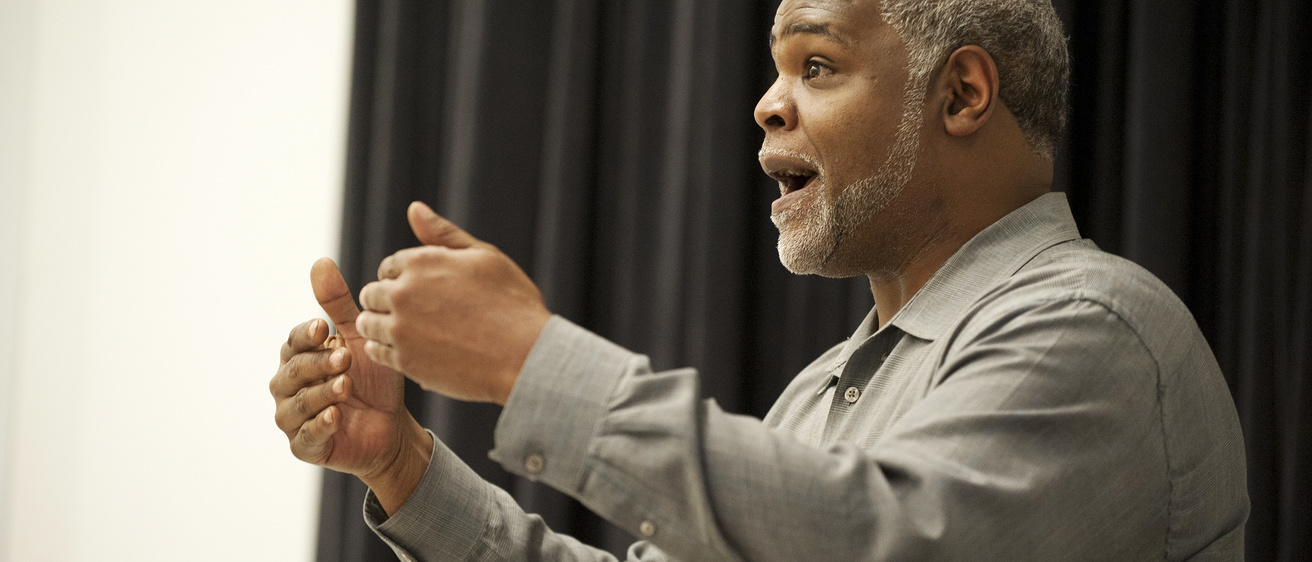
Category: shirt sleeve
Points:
column 1042, row 440
column 456, row 515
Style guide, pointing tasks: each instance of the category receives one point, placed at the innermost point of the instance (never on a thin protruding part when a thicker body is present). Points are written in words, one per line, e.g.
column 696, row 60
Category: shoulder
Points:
column 1117, row 335
column 1078, row 278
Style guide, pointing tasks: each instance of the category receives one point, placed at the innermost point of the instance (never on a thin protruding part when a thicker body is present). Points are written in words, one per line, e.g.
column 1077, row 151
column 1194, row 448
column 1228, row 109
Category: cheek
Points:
column 859, row 141
column 860, row 118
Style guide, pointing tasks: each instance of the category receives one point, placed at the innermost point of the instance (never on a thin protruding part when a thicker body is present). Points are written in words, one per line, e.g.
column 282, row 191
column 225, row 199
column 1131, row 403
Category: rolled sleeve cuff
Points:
column 557, row 405
column 444, row 518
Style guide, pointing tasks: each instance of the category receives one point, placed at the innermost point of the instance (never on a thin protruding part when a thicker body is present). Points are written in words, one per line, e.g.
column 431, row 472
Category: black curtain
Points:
column 608, row 147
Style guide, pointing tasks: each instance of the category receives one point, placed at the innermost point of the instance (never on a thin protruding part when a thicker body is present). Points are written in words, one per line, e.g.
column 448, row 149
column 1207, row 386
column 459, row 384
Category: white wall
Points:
column 170, row 171
column 15, row 73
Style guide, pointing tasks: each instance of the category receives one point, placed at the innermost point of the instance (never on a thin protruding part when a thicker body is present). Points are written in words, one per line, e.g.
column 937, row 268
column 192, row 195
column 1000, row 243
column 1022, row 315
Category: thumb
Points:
column 433, row 230
column 334, row 296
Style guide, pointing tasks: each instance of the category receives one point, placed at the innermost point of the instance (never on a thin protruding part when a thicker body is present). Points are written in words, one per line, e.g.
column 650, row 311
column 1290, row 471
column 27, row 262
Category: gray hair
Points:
column 1025, row 39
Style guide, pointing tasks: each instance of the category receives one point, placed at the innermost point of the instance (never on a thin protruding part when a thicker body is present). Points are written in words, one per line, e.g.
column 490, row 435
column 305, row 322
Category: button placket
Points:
column 860, row 376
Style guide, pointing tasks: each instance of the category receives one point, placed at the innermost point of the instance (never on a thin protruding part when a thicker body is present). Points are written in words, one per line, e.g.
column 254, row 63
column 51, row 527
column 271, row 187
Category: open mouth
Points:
column 793, row 179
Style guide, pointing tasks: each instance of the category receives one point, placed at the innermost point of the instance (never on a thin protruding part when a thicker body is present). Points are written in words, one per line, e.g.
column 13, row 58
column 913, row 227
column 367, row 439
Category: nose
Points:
column 776, row 110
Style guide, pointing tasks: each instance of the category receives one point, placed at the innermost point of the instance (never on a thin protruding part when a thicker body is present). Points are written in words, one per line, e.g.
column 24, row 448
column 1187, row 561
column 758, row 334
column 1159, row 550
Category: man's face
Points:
column 842, row 129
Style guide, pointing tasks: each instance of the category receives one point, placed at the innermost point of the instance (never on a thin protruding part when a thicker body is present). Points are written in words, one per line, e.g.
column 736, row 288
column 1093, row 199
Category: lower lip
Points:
column 791, row 198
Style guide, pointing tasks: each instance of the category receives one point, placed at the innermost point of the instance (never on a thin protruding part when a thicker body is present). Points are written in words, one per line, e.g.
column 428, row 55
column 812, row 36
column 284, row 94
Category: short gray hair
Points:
column 1025, row 39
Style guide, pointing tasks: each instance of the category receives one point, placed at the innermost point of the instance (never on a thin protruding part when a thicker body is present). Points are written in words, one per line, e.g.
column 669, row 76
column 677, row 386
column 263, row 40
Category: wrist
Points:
column 507, row 380
column 394, row 484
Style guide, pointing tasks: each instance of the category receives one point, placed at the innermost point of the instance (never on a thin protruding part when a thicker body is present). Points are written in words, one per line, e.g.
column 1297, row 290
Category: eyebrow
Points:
column 820, row 29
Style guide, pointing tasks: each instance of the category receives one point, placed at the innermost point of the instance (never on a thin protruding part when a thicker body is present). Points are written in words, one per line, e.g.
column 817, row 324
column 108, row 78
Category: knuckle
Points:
column 298, row 404
column 300, row 449
column 324, row 394
column 325, row 361
column 282, row 420
column 304, row 367
column 401, row 295
column 285, row 377
column 429, row 256
column 293, row 367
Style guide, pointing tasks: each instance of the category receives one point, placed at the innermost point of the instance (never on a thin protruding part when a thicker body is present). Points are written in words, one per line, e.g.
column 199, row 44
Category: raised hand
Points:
column 456, row 316
column 339, row 408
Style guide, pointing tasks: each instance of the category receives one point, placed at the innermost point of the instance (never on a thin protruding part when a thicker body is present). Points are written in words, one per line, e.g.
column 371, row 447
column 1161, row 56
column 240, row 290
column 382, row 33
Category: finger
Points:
column 312, row 442
column 382, row 353
column 434, row 230
column 392, row 266
column 307, row 368
column 293, row 411
column 377, row 296
column 334, row 296
column 305, row 336
column 376, row 327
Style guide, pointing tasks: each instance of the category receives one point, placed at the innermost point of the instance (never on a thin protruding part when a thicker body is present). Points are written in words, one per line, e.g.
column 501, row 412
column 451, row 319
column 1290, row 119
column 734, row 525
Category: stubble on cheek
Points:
column 811, row 235
column 865, row 199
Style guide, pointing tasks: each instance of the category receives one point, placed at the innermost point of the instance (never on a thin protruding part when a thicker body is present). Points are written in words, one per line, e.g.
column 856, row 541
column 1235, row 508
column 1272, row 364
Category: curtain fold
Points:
column 609, row 148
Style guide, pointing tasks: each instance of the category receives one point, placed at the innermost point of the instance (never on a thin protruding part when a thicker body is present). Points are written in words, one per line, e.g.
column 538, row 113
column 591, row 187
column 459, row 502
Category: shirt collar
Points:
column 868, row 328
column 994, row 254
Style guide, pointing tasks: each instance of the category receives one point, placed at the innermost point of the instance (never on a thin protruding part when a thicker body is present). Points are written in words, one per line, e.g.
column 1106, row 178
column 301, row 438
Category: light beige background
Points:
column 168, row 172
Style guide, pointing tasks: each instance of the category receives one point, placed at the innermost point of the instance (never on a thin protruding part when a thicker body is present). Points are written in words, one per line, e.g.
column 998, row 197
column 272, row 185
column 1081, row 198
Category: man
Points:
column 1015, row 393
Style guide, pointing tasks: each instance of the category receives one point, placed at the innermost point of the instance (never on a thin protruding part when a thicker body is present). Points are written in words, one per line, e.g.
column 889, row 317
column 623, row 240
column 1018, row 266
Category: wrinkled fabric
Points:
column 1037, row 399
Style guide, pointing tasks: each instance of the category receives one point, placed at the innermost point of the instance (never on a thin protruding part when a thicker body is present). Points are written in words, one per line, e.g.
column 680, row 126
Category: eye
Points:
column 816, row 69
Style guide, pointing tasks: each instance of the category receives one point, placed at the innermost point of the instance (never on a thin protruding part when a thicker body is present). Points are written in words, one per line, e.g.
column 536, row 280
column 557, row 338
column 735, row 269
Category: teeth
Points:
column 796, row 172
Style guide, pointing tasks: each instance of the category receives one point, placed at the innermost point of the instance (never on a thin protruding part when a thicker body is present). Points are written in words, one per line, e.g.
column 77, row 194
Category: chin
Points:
column 805, row 243
column 814, row 251
column 822, row 267
column 799, row 265
column 809, row 255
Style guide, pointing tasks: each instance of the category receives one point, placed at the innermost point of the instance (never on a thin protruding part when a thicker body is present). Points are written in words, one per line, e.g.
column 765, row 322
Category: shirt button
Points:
column 852, row 394
column 647, row 528
column 534, row 463
column 883, row 358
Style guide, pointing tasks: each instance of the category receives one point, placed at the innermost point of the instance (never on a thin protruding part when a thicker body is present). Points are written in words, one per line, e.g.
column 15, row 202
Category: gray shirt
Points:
column 1037, row 399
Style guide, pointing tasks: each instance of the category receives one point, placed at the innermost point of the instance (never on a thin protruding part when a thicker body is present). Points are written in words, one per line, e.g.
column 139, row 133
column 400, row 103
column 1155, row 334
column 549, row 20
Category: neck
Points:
column 967, row 185
column 892, row 290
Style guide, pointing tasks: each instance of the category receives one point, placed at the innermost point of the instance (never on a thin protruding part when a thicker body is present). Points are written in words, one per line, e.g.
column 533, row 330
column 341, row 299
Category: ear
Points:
column 969, row 82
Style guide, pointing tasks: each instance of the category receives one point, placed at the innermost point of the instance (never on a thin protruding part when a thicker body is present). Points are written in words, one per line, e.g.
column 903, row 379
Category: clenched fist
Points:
column 456, row 316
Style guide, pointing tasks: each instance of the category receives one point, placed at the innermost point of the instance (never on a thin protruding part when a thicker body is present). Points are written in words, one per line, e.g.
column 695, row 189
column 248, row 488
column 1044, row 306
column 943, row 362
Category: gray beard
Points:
column 810, row 235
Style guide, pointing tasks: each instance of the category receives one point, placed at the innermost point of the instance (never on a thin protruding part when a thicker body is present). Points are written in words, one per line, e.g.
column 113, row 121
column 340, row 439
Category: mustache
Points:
column 773, row 151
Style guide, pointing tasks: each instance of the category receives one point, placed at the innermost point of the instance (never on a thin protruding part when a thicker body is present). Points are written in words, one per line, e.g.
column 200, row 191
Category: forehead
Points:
column 840, row 21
